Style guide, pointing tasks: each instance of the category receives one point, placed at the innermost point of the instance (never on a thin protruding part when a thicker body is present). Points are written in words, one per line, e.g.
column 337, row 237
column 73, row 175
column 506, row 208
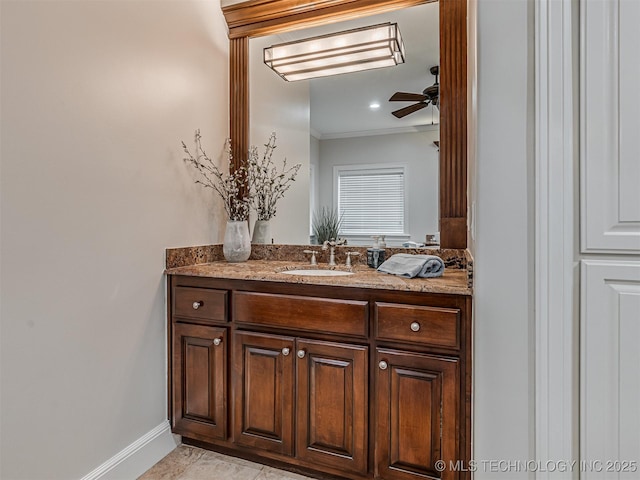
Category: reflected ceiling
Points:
column 340, row 104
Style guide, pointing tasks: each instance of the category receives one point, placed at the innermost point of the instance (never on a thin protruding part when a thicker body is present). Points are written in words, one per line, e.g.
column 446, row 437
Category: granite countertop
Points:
column 454, row 281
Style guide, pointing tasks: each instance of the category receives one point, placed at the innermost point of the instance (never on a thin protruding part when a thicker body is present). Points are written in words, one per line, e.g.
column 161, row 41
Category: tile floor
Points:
column 191, row 463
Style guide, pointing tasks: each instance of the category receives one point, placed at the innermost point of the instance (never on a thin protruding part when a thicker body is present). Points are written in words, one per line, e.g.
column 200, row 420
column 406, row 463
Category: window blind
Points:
column 371, row 201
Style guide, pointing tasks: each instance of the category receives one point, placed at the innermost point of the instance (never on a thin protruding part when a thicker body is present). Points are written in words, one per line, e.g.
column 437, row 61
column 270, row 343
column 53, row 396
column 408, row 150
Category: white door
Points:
column 610, row 224
column 610, row 366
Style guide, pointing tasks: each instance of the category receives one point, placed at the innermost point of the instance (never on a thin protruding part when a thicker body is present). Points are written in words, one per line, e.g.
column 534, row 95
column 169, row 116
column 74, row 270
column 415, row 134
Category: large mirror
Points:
column 378, row 172
column 252, row 21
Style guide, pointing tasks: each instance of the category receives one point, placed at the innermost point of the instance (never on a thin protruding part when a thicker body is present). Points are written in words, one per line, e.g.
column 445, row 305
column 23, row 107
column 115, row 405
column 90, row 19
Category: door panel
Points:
column 332, row 404
column 263, row 388
column 609, row 369
column 610, row 122
column 417, row 408
column 199, row 381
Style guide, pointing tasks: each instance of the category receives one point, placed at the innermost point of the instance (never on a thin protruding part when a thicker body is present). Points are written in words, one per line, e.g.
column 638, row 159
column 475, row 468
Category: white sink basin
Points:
column 318, row 273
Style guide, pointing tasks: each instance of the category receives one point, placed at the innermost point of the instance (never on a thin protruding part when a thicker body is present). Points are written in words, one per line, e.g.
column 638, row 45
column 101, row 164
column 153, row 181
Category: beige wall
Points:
column 96, row 97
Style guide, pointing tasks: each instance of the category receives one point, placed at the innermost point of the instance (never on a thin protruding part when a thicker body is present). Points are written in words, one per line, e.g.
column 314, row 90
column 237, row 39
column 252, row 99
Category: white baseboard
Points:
column 138, row 457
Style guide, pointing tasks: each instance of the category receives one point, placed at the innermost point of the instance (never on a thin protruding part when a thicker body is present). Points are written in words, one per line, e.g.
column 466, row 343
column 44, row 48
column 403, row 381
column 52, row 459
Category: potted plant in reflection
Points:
column 267, row 185
column 326, row 224
column 237, row 245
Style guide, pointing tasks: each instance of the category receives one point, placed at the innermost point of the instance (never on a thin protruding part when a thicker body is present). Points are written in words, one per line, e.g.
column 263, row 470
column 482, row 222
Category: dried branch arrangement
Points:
column 262, row 182
column 267, row 184
column 227, row 185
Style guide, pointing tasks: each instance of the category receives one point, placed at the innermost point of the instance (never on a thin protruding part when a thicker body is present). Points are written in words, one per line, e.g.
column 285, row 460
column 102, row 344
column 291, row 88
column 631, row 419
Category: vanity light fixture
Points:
column 348, row 51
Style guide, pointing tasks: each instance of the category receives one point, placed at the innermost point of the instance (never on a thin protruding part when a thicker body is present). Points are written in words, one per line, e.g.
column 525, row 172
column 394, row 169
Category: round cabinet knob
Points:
column 415, row 326
column 197, row 305
column 301, row 353
column 217, row 341
column 285, row 351
column 383, row 365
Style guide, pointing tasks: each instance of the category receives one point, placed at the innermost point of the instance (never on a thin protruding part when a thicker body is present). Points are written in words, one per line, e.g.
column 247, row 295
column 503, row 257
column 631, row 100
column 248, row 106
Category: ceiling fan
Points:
column 430, row 95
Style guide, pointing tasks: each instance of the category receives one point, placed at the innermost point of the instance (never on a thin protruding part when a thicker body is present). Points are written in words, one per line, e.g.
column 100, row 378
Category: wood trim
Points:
column 239, row 99
column 453, row 230
column 265, row 17
column 453, row 123
column 262, row 17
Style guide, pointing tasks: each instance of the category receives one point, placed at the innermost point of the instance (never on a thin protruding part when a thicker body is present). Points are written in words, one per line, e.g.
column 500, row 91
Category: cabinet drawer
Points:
column 348, row 317
column 417, row 324
column 200, row 303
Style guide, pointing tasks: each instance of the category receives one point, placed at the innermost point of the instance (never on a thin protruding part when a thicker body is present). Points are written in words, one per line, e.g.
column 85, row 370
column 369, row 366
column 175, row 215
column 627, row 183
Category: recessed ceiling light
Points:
column 374, row 105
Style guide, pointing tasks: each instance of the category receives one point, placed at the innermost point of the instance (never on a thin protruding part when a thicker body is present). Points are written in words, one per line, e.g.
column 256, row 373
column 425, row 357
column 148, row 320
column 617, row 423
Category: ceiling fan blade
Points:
column 403, row 112
column 407, row 97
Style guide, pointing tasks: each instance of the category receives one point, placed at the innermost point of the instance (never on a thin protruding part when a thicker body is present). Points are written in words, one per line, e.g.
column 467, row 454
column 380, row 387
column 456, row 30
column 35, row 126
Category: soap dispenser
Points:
column 375, row 255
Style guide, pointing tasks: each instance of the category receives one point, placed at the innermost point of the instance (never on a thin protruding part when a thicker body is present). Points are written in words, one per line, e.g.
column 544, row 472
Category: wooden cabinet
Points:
column 416, row 415
column 198, row 362
column 437, row 327
column 263, row 367
column 331, row 383
column 332, row 410
column 295, row 312
column 200, row 304
column 350, row 383
column 199, row 371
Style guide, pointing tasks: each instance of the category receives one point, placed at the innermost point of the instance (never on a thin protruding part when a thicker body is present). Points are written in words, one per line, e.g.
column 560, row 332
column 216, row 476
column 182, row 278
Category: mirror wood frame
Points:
column 256, row 18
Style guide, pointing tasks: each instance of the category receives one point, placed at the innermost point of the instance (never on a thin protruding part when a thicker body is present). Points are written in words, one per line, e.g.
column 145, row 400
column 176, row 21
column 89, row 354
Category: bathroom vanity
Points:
column 360, row 376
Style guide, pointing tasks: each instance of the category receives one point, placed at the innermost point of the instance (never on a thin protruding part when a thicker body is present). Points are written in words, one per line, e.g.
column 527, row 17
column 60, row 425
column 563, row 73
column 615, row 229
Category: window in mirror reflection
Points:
column 371, row 201
column 328, row 122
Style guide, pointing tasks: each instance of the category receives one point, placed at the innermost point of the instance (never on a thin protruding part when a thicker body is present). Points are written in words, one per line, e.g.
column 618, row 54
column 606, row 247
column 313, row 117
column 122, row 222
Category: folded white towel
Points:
column 409, row 266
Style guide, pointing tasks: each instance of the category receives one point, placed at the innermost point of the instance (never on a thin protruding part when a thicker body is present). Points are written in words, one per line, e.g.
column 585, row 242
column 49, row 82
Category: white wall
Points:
column 503, row 360
column 282, row 107
column 415, row 150
column 314, row 187
column 96, row 97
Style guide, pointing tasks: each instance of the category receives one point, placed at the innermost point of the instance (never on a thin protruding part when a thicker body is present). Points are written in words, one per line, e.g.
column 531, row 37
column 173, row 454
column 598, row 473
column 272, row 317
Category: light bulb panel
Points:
column 349, row 51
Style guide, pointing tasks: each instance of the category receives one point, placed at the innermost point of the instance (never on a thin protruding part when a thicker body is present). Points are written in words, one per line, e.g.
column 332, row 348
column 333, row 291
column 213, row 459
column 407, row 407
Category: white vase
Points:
column 237, row 245
column 261, row 232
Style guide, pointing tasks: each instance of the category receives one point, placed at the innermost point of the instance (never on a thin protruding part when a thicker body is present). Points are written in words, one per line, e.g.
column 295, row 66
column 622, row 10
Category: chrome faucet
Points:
column 349, row 255
column 332, row 245
column 313, row 256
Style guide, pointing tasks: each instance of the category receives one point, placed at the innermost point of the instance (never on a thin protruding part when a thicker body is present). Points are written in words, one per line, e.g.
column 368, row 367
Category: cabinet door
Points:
column 332, row 409
column 199, row 381
column 610, row 123
column 263, row 367
column 416, row 415
column 610, row 378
